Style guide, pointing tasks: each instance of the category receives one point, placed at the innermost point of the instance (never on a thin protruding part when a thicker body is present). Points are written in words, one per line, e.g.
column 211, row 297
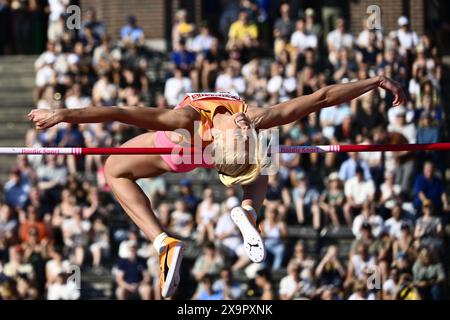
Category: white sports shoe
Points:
column 253, row 242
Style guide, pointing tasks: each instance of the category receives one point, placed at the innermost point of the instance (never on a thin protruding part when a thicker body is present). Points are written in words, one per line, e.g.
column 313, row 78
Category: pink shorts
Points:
column 177, row 162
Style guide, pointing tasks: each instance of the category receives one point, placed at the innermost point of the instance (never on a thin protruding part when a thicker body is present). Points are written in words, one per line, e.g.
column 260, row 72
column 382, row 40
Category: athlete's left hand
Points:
column 395, row 88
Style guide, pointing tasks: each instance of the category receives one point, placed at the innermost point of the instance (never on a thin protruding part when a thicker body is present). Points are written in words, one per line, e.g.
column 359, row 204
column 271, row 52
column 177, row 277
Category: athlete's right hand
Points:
column 44, row 119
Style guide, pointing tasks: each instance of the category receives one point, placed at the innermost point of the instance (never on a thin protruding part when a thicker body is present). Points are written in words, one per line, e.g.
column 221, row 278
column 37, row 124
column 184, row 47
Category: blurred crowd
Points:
column 57, row 213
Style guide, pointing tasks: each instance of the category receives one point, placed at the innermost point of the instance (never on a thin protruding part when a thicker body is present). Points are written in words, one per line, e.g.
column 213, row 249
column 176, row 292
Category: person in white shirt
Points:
column 357, row 192
column 290, row 285
column 231, row 81
column 203, row 41
column 368, row 216
column 206, row 216
column 400, row 125
column 176, row 87
column 394, row 224
column 301, row 39
column 407, row 38
column 337, row 39
column 363, row 37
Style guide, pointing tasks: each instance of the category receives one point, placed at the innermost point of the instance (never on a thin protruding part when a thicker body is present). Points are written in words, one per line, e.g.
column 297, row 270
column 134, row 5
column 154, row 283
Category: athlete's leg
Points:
column 122, row 171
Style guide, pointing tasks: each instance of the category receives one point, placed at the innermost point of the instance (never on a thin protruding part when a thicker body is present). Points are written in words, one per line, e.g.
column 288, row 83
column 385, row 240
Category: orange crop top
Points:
column 206, row 104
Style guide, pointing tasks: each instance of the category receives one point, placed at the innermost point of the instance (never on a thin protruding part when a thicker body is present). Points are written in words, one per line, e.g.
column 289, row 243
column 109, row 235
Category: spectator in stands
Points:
column 359, row 265
column 274, row 231
column 357, row 192
column 176, row 87
column 301, row 39
column 407, row 38
column 226, row 285
column 301, row 257
column 330, row 270
column 429, row 188
column 397, row 221
column 205, row 290
column 283, row 27
column 131, row 33
column 290, row 285
column 181, row 30
column 206, row 216
column 429, row 230
column 132, row 277
column 429, row 276
column 210, row 262
column 332, row 200
column 369, row 216
column 337, row 39
column 17, row 189
column 263, row 282
column 243, row 33
column 306, row 201
column 181, row 220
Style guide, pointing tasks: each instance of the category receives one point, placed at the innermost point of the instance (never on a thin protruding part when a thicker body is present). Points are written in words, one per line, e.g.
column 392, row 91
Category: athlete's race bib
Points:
column 213, row 95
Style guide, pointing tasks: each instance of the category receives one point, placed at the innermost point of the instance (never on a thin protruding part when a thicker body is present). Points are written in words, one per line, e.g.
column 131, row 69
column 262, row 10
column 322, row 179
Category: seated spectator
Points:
column 131, row 33
column 203, row 41
column 274, row 231
column 17, row 189
column 359, row 265
column 61, row 289
column 405, row 244
column 228, row 237
column 99, row 242
column 397, row 221
column 75, row 232
column 55, row 266
column 357, row 192
column 306, row 200
column 391, row 285
column 369, row 216
column 8, row 223
column 263, row 281
column 181, row 221
column 206, row 217
column 242, row 33
column 188, row 196
column 330, row 270
column 32, row 226
column 181, row 30
column 230, row 81
column 429, row 276
column 400, row 125
column 301, row 257
column 210, row 262
column 428, row 130
column 231, row 290
column 390, row 191
column 205, row 290
column 290, row 285
column 18, row 264
column 429, row 231
column 182, row 58
column 332, row 199
column 349, row 166
column 283, row 27
column 132, row 277
column 406, row 36
column 337, row 39
column 277, row 195
column 360, row 292
column 366, row 238
column 176, row 88
column 429, row 188
column 301, row 39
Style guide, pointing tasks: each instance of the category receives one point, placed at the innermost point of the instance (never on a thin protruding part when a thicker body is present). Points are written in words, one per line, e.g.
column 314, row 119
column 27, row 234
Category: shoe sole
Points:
column 253, row 243
column 173, row 278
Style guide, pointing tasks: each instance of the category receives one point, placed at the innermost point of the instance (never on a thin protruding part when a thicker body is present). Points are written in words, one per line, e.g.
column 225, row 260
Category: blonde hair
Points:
column 236, row 167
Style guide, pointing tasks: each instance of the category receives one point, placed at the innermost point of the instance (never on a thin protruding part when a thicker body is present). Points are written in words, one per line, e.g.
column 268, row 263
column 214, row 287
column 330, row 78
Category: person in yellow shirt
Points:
column 242, row 33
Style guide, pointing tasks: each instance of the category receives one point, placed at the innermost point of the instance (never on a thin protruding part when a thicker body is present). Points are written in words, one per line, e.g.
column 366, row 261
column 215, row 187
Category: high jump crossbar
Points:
column 443, row 146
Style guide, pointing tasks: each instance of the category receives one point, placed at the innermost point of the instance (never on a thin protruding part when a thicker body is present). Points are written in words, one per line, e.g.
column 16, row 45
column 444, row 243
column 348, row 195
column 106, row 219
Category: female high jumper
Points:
column 221, row 112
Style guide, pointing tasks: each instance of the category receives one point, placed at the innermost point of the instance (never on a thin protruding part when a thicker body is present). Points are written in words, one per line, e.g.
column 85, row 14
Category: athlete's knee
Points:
column 112, row 168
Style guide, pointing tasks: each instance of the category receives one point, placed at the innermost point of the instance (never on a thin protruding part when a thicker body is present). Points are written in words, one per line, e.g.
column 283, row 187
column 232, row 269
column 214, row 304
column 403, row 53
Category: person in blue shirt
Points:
column 131, row 32
column 206, row 292
column 429, row 187
column 17, row 190
column 348, row 167
column 182, row 58
column 133, row 278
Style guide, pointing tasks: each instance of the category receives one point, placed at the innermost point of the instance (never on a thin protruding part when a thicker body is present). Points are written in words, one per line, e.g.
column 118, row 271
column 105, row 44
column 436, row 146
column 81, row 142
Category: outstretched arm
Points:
column 149, row 118
column 297, row 108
